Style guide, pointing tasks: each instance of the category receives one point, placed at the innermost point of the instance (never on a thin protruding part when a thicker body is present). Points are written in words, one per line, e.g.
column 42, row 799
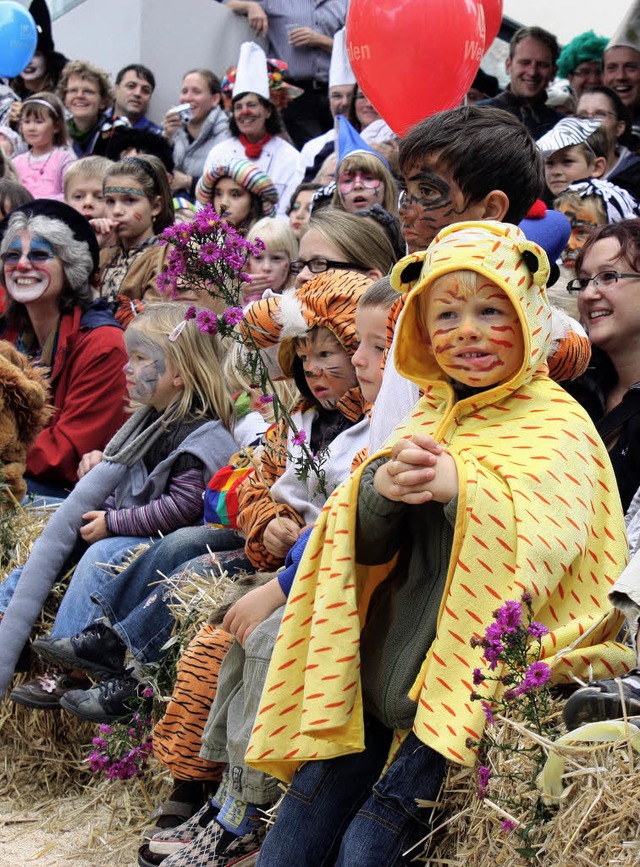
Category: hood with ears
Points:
column 501, row 253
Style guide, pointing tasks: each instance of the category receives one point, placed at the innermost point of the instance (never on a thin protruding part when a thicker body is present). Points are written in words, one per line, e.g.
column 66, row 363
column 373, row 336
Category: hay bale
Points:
column 596, row 823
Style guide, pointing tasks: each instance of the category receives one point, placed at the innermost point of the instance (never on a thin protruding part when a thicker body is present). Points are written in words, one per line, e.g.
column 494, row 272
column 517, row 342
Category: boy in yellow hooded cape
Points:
column 497, row 484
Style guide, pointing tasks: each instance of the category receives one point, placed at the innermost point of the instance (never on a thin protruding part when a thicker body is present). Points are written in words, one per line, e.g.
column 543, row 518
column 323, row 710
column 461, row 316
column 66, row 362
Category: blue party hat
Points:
column 351, row 142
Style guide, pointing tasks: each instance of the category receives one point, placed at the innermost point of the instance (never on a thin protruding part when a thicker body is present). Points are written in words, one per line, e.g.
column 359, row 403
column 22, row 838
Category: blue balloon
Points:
column 18, row 38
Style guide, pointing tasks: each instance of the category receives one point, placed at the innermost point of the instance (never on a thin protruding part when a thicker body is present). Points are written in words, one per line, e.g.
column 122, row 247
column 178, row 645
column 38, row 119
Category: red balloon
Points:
column 413, row 58
column 492, row 20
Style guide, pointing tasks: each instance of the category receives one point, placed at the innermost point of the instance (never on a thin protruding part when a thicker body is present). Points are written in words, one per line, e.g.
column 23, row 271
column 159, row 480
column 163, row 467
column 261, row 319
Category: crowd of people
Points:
column 449, row 320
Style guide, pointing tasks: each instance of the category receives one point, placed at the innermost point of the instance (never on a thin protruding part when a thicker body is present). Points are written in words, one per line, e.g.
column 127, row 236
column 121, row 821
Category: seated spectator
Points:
column 134, row 88
column 48, row 260
column 256, row 128
column 193, row 134
column 86, row 92
column 299, row 211
column 83, row 190
column 573, row 150
column 43, row 127
column 363, row 178
column 580, row 61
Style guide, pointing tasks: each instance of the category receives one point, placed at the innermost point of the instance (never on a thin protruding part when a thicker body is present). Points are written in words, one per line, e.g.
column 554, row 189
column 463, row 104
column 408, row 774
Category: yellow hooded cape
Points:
column 538, row 511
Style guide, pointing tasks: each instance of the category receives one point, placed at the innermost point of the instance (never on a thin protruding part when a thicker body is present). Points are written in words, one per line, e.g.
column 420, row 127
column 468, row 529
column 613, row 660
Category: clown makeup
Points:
column 151, row 379
column 359, row 190
column 231, row 201
column 475, row 337
column 35, row 69
column 326, row 365
column 129, row 209
column 32, row 270
column 371, row 329
column 431, row 200
column 584, row 220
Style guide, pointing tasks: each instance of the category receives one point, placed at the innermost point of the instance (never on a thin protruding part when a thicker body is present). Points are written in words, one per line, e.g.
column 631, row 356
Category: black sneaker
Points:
column 604, row 700
column 107, row 702
column 98, row 650
column 45, row 692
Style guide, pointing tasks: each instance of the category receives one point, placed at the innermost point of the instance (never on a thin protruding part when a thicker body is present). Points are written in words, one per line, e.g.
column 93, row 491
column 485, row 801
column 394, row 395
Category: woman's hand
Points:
column 88, row 462
column 171, row 124
column 254, row 608
column 95, row 528
column 180, row 181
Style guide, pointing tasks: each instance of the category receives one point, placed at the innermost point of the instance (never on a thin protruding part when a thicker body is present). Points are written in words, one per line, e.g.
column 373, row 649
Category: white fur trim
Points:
column 290, row 316
column 561, row 325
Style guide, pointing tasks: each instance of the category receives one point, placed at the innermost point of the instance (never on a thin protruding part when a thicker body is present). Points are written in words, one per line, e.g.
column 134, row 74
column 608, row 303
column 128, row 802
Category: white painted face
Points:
column 32, row 270
column 35, row 69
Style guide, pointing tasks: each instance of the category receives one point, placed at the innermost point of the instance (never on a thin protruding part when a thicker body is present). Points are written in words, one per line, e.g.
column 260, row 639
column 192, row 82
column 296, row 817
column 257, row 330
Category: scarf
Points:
column 254, row 149
column 58, row 538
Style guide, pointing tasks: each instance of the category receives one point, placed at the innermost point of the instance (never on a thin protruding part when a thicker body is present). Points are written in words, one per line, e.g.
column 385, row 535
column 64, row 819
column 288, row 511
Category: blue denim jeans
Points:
column 341, row 812
column 77, row 609
column 135, row 602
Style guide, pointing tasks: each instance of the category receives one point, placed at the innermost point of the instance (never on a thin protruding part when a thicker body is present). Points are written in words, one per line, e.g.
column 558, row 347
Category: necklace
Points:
column 34, row 162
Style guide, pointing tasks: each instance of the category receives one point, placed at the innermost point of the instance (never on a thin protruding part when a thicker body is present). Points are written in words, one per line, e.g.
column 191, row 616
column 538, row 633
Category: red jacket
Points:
column 88, row 393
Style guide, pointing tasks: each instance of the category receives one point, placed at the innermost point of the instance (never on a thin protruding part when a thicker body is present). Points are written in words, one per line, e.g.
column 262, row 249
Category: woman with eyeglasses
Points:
column 623, row 167
column 337, row 240
column 48, row 262
column 607, row 284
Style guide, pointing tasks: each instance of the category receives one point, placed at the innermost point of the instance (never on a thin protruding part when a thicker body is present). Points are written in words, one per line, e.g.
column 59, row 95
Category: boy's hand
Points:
column 279, row 535
column 419, row 470
column 250, row 611
column 88, row 462
column 96, row 528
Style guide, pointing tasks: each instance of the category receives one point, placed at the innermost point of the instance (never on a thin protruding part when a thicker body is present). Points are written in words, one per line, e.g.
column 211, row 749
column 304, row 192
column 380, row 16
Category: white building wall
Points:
column 168, row 36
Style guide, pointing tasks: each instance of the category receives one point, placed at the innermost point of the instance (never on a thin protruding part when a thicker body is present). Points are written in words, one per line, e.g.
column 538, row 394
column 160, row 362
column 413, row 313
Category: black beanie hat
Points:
column 80, row 227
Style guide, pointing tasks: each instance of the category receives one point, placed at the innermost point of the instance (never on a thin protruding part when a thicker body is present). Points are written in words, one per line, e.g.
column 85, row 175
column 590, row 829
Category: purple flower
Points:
column 483, row 781
column 478, row 677
column 106, row 729
column 507, row 826
column 509, row 616
column 207, row 322
column 537, row 630
column 210, row 253
column 527, row 598
column 233, row 315
column 535, row 677
column 299, row 438
column 165, row 282
column 147, row 692
column 266, row 398
column 488, row 713
column 190, row 312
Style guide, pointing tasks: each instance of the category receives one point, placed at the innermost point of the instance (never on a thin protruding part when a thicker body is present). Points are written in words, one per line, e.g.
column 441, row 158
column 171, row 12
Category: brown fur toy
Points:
column 24, row 411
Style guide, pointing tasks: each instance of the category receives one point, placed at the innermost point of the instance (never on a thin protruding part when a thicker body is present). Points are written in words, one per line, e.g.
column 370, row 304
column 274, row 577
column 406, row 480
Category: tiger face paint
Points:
column 475, row 337
column 327, row 367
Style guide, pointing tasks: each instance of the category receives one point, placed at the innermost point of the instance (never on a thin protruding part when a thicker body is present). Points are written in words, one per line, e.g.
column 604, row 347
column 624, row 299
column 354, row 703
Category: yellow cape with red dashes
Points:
column 538, row 511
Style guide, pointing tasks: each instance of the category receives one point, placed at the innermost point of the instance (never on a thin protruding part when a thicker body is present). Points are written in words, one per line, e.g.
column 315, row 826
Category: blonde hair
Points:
column 238, row 378
column 87, row 71
column 197, row 357
column 150, row 173
column 467, row 285
column 572, row 199
column 363, row 243
column 277, row 236
column 370, row 164
column 87, row 167
column 45, row 106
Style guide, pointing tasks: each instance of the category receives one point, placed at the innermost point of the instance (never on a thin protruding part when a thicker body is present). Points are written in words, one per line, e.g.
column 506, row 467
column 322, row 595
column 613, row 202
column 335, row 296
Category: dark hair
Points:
column 540, row 35
column 305, row 186
column 619, row 108
column 352, row 117
column 126, row 138
column 12, row 195
column 141, row 71
column 213, row 82
column 485, row 149
column 627, row 233
column 391, row 225
column 152, row 177
column 274, row 124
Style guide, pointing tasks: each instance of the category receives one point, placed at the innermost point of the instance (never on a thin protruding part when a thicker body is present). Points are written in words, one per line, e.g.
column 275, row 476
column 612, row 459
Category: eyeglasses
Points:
column 604, row 278
column 319, row 265
column 348, row 180
column 36, row 257
column 80, row 91
column 600, row 114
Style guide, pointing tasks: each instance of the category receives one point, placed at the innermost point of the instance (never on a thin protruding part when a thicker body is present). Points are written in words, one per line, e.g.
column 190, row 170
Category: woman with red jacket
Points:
column 48, row 259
